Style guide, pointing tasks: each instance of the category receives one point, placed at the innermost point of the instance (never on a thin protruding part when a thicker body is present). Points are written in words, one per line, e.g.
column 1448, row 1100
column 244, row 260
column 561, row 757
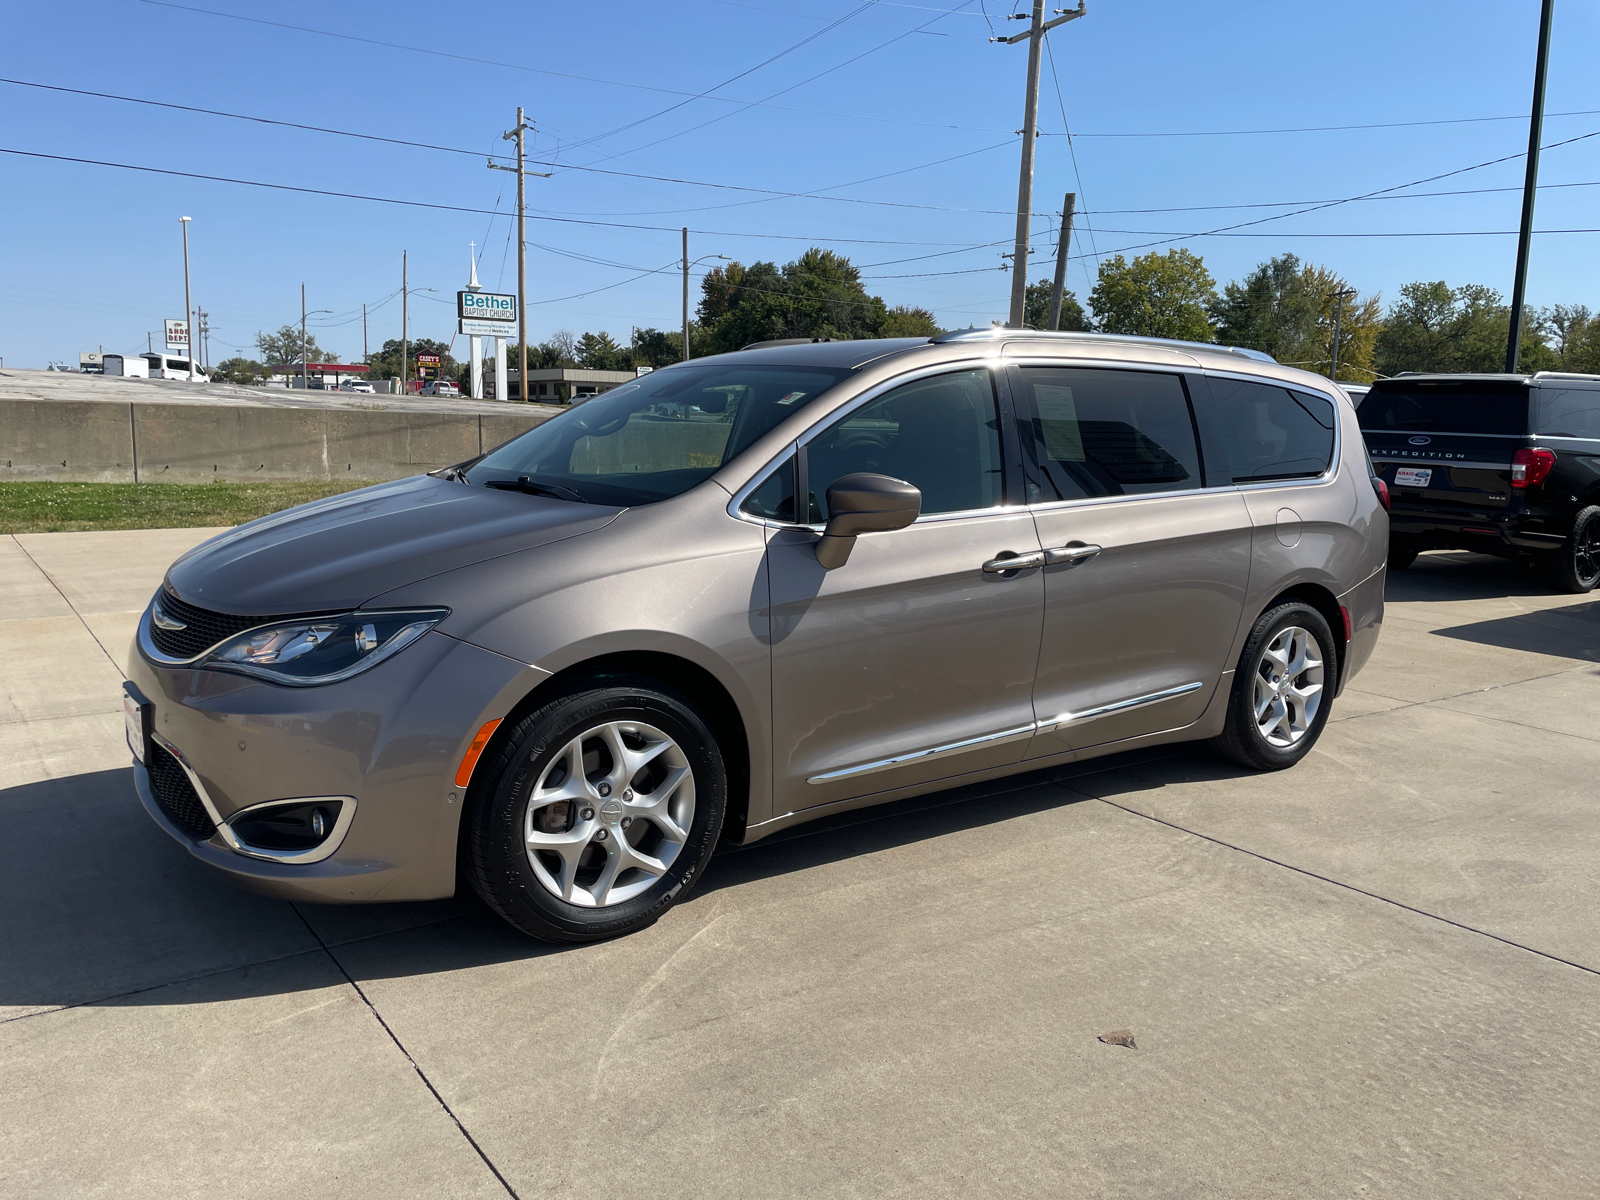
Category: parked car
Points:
column 1500, row 464
column 440, row 387
column 356, row 385
column 750, row 590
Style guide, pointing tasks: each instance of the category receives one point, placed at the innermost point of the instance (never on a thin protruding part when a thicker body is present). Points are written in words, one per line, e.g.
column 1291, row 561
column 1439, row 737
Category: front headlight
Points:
column 323, row 649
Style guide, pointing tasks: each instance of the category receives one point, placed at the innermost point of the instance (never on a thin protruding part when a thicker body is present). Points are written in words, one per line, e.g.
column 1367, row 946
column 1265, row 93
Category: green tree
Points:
column 1157, row 295
column 819, row 295
column 240, row 370
column 1434, row 327
column 1287, row 309
column 1574, row 337
column 1036, row 311
column 282, row 349
column 600, row 352
column 904, row 320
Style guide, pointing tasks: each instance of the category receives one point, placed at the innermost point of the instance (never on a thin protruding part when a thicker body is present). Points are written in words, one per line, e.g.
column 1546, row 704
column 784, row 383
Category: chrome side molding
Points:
column 1120, row 706
column 1006, row 735
column 900, row 760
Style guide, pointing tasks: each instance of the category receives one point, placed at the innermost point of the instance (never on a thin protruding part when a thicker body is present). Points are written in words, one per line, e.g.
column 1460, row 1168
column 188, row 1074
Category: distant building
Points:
column 565, row 385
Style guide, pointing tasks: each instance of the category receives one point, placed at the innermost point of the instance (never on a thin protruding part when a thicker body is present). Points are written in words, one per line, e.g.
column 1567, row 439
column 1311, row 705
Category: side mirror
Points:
column 864, row 503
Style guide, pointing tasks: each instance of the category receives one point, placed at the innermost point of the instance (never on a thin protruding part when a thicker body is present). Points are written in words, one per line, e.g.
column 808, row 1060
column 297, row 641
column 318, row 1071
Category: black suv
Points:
column 1500, row 464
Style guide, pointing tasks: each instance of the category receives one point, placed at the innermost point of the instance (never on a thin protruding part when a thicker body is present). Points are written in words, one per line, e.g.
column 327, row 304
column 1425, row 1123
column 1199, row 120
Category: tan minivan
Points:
column 749, row 591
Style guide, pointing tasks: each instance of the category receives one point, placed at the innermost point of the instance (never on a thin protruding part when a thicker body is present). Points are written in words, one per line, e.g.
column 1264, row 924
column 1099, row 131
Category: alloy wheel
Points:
column 1586, row 552
column 609, row 814
column 1288, row 687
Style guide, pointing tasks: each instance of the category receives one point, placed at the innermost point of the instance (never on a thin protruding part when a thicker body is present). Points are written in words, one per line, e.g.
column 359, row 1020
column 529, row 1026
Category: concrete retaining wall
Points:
column 110, row 441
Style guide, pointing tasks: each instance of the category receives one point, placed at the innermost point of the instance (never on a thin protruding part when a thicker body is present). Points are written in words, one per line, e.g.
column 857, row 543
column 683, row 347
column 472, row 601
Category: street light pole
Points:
column 304, row 383
column 687, row 354
column 1530, row 187
column 1030, row 128
column 188, row 314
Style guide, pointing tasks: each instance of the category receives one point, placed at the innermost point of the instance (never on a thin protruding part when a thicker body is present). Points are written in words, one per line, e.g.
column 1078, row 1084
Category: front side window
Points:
column 1569, row 412
column 773, row 498
column 1272, row 432
column 658, row 436
column 1095, row 432
column 940, row 435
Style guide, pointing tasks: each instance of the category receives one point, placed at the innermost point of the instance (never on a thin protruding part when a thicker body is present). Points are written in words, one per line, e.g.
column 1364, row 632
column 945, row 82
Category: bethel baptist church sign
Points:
column 486, row 314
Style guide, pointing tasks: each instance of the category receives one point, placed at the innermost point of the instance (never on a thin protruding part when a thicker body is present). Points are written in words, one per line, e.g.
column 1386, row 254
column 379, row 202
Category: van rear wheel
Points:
column 1576, row 566
column 1282, row 689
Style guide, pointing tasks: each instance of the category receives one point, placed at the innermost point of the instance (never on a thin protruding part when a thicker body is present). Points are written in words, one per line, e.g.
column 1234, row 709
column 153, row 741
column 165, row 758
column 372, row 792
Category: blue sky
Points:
column 91, row 255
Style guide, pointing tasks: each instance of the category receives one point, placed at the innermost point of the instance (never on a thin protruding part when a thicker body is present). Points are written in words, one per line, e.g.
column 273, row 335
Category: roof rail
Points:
column 975, row 334
column 1567, row 375
column 784, row 342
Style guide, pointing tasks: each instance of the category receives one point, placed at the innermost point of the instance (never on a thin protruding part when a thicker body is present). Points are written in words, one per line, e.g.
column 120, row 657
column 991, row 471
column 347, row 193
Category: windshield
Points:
column 658, row 436
column 1464, row 407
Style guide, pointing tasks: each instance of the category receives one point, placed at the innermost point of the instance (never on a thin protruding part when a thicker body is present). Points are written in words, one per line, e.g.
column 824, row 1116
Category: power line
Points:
column 973, row 37
column 510, row 66
column 805, row 41
column 458, row 208
column 1073, row 150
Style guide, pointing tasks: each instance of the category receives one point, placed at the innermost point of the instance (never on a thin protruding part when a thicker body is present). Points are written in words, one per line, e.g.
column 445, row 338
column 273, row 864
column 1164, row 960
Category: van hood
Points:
column 337, row 553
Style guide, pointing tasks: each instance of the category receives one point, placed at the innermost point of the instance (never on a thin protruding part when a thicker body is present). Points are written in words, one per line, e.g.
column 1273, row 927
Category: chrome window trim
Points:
column 820, row 425
column 1445, row 433
column 1335, row 455
column 1015, row 734
column 1443, row 462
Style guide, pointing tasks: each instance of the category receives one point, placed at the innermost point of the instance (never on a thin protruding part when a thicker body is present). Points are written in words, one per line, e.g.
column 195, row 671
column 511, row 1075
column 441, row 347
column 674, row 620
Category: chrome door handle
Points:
column 1006, row 561
column 1070, row 554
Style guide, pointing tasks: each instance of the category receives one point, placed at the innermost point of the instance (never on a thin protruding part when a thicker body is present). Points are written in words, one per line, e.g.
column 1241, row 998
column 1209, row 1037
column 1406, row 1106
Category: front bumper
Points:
column 389, row 740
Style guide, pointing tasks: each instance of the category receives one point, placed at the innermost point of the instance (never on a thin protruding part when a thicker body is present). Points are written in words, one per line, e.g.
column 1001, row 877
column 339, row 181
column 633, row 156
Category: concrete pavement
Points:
column 1375, row 974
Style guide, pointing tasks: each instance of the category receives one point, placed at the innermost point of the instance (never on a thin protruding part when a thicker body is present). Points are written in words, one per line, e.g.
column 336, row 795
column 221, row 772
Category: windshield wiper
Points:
column 454, row 474
column 524, row 484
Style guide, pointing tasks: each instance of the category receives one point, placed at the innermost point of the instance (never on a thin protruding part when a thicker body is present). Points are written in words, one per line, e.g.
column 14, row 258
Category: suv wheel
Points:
column 1281, row 690
column 1402, row 553
column 598, row 814
column 1576, row 566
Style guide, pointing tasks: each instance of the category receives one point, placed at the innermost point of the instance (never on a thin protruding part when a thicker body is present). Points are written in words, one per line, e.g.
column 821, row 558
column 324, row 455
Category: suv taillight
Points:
column 1529, row 468
column 1382, row 489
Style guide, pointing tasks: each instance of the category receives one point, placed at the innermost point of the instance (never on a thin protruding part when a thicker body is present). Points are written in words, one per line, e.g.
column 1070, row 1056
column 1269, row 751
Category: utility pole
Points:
column 303, row 380
column 687, row 353
column 1064, row 241
column 1338, row 321
column 1530, row 186
column 1030, row 130
column 405, row 300
column 365, row 353
column 518, row 135
column 188, row 313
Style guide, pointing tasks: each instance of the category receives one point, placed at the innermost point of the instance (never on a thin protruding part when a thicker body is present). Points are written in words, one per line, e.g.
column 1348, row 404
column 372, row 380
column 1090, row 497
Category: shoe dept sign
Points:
column 486, row 314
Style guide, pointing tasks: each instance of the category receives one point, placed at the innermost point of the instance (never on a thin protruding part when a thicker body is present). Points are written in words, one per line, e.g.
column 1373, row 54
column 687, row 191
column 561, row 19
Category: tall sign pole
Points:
column 1530, row 187
column 1030, row 130
column 188, row 313
column 405, row 327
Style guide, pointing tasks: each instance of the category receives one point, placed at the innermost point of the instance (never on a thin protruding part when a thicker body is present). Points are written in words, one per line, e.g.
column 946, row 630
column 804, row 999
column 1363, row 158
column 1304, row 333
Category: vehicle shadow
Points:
column 103, row 907
column 1446, row 575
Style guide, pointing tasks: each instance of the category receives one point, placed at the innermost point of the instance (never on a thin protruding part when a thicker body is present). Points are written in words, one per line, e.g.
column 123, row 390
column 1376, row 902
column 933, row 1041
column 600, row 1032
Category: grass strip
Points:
column 48, row 507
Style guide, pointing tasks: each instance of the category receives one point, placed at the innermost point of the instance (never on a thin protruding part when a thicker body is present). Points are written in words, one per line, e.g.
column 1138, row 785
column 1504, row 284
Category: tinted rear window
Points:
column 1445, row 408
column 1569, row 412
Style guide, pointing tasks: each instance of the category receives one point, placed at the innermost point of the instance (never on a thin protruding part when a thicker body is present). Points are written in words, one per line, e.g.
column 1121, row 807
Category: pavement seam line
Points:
column 1493, row 687
column 1360, row 891
column 400, row 1046
column 260, row 962
column 51, row 579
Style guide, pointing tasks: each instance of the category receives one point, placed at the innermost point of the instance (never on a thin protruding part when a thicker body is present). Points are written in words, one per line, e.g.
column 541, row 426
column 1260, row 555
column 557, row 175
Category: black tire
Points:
column 498, row 862
column 1575, row 567
column 1402, row 553
column 1241, row 740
